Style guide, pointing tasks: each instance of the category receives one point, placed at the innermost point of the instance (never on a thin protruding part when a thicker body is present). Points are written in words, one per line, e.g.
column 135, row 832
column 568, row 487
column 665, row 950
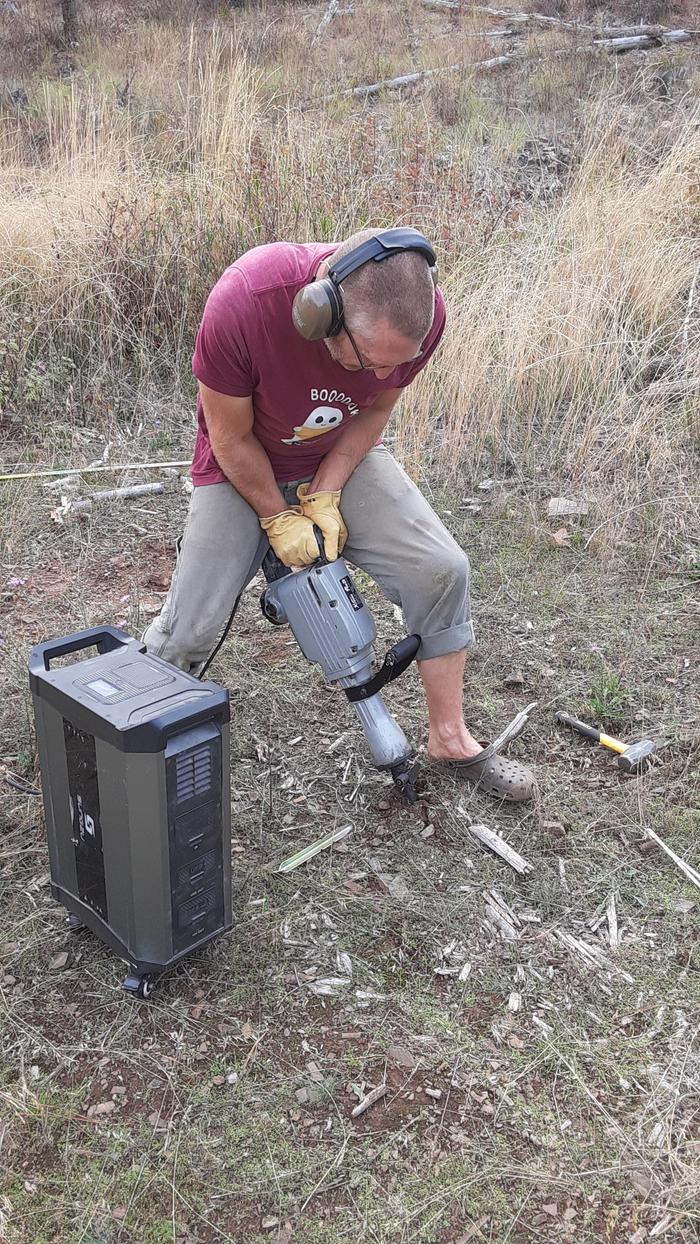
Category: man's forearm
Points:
column 350, row 449
column 244, row 461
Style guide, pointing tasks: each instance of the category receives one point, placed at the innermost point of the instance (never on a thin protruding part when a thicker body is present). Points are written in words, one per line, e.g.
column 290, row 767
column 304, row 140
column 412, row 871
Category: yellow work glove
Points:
column 291, row 537
column 322, row 509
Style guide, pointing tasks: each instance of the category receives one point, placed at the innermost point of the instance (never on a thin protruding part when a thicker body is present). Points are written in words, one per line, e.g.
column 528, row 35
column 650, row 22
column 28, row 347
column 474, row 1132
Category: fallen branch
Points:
column 591, row 956
column 615, row 38
column 369, row 1100
column 522, row 19
column 514, row 728
column 626, row 44
column 613, row 932
column 501, row 916
column 500, row 847
column 83, row 504
column 118, row 494
column 497, row 62
column 328, row 987
column 114, row 469
column 333, row 10
column 308, row 853
column 621, row 32
column 688, row 871
column 409, row 79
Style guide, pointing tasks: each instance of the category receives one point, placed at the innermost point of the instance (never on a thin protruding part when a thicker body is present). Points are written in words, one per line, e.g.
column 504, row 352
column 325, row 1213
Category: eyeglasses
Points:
column 374, row 366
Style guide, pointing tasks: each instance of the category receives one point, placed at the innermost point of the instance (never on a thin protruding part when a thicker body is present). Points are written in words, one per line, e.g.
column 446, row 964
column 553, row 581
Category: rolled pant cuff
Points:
column 454, row 639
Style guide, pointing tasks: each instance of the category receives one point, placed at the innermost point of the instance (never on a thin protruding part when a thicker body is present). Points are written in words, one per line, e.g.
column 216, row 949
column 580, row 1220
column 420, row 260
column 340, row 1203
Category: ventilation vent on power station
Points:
column 193, row 773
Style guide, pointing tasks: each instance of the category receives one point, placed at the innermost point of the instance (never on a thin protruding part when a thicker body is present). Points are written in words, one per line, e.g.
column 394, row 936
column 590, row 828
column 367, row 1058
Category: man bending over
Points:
column 301, row 356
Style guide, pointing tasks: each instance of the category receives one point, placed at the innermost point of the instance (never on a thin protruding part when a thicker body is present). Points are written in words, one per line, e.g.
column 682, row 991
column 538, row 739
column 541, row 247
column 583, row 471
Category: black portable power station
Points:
column 134, row 758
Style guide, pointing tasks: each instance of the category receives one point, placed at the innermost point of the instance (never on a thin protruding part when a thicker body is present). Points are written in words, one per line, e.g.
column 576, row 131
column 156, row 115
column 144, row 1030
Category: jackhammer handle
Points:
column 590, row 732
column 321, row 546
column 400, row 656
column 396, row 661
column 274, row 569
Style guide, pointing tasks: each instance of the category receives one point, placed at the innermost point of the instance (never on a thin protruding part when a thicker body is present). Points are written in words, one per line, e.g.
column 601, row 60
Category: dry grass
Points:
column 551, row 332
column 128, row 186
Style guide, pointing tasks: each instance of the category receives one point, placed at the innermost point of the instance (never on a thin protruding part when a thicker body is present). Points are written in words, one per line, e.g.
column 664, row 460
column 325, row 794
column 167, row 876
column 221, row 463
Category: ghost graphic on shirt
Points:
column 322, row 419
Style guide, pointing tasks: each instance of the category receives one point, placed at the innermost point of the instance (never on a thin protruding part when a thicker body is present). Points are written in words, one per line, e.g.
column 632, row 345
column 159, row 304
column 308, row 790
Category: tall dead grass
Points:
column 573, row 344
column 119, row 209
column 115, row 220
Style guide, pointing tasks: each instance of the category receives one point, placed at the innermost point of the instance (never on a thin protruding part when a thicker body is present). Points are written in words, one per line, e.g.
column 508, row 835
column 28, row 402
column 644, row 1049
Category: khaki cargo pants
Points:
column 394, row 536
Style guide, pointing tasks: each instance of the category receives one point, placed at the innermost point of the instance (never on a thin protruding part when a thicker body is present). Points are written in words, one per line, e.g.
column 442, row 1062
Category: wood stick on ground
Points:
column 622, row 32
column 314, row 848
column 333, row 10
column 497, row 900
column 655, row 32
column 109, row 468
column 497, row 62
column 627, row 43
column 613, row 934
column 688, row 871
column 495, row 918
column 369, row 1100
column 116, row 494
column 521, row 18
column 591, row 956
column 500, row 847
column 410, row 79
column 499, row 914
column 601, row 916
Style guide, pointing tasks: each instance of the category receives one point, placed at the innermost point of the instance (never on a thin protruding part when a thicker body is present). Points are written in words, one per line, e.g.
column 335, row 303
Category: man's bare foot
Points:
column 456, row 744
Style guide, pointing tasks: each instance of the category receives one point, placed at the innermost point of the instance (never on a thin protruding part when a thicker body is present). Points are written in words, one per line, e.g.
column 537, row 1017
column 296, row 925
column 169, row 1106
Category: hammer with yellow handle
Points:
column 631, row 758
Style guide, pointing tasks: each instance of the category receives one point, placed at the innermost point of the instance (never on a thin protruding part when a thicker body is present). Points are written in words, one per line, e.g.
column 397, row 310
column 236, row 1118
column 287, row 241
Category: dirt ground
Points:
column 539, row 1086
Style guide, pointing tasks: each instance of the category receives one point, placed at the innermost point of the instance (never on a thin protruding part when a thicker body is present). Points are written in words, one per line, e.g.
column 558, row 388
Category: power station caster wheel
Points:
column 75, row 924
column 141, row 986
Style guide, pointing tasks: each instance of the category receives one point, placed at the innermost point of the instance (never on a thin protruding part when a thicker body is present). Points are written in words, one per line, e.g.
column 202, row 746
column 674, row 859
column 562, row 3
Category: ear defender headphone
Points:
column 317, row 311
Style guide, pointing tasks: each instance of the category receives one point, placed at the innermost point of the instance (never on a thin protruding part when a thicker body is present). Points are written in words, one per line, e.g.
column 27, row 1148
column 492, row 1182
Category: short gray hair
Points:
column 399, row 290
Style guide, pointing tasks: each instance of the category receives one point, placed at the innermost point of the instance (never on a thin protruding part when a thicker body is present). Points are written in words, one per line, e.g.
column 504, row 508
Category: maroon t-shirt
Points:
column 247, row 345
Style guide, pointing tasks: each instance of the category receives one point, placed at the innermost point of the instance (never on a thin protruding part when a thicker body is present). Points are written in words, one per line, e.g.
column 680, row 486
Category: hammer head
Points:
column 636, row 756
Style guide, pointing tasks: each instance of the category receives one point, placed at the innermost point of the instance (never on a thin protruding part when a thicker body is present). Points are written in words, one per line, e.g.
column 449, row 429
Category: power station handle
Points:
column 590, row 732
column 104, row 638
